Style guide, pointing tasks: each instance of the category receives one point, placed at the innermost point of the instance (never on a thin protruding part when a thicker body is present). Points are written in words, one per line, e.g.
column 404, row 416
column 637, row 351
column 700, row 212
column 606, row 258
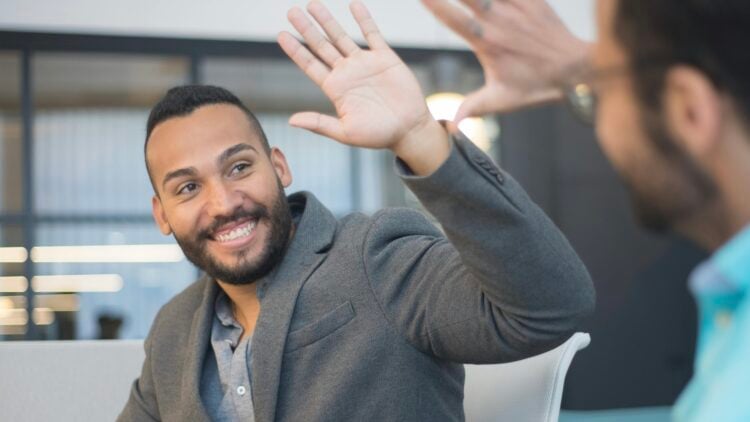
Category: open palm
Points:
column 522, row 45
column 378, row 100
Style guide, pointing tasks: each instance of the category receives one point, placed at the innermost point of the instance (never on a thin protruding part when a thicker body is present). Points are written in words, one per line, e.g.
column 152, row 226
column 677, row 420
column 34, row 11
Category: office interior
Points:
column 80, row 255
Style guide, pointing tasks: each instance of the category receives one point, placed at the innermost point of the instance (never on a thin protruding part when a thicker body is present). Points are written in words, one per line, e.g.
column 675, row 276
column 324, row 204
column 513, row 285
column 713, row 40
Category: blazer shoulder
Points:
column 401, row 221
column 391, row 222
column 184, row 304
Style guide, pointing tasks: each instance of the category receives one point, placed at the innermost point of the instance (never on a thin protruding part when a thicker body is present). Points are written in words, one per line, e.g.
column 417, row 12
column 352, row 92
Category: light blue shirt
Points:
column 226, row 385
column 720, row 388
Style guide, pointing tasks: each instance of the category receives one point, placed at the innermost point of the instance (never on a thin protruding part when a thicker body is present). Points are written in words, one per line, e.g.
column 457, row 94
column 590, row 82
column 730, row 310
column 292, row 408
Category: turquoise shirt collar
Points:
column 733, row 260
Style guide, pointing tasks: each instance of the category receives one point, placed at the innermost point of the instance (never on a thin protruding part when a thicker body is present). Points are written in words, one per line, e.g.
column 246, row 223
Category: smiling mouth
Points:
column 238, row 232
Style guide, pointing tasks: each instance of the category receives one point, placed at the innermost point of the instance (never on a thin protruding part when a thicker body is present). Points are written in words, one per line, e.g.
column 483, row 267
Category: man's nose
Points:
column 223, row 200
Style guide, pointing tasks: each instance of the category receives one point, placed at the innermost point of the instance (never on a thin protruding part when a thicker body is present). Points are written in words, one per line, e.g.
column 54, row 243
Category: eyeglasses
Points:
column 580, row 94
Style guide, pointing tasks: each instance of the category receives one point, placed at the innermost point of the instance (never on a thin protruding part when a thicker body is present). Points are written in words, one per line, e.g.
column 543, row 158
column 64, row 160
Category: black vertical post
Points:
column 195, row 69
column 355, row 169
column 27, row 137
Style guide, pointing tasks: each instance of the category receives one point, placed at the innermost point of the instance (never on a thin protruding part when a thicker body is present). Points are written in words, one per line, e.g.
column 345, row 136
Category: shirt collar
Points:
column 728, row 269
column 223, row 310
column 733, row 260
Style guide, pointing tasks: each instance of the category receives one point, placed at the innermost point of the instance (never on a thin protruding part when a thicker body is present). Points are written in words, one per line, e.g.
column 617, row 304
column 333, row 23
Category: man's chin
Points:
column 650, row 220
column 648, row 214
column 236, row 270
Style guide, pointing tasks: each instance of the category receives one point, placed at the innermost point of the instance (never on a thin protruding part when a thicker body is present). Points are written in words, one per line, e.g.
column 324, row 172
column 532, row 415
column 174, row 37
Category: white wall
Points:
column 404, row 22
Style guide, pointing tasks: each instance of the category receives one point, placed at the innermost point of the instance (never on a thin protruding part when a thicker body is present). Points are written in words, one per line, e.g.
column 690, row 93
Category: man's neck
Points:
column 245, row 304
column 729, row 213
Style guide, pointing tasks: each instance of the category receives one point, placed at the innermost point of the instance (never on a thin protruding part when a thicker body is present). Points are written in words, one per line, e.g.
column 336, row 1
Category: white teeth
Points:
column 242, row 231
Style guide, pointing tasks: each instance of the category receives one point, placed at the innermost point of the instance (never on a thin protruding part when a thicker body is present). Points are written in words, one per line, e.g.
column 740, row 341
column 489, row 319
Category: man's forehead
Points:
column 207, row 119
column 208, row 126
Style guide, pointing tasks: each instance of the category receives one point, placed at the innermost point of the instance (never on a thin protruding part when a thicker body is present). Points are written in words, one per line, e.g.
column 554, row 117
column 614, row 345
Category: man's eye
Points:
column 239, row 168
column 187, row 188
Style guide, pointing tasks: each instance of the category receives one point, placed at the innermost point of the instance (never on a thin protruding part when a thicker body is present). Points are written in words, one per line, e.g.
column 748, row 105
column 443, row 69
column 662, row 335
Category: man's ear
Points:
column 281, row 167
column 159, row 216
column 693, row 110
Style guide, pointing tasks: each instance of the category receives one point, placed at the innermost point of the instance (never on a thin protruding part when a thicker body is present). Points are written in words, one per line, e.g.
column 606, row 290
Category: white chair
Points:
column 528, row 390
column 67, row 380
column 90, row 381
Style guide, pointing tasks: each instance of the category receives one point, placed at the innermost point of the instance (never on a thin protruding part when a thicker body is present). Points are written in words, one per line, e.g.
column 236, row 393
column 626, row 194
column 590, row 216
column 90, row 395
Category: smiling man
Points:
column 305, row 317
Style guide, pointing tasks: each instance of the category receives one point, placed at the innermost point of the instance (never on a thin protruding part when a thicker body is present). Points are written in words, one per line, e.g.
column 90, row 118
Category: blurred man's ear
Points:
column 159, row 216
column 693, row 110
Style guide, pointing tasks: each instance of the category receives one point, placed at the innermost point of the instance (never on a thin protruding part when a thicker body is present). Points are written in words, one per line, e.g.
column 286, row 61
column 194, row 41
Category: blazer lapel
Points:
column 198, row 343
column 312, row 239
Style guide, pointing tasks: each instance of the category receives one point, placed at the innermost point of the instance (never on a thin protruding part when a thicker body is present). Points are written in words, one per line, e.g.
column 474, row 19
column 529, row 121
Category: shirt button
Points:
column 241, row 390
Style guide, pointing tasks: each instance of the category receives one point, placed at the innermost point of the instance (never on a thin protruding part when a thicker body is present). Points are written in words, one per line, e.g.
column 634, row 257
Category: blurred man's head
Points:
column 679, row 108
column 218, row 186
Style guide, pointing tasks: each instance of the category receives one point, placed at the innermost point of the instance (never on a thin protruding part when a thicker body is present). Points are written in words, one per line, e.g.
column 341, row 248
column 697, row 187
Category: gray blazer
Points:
column 370, row 318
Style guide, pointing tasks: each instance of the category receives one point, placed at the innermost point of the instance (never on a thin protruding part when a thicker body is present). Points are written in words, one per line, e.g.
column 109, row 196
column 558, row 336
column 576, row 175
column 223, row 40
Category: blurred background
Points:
column 80, row 257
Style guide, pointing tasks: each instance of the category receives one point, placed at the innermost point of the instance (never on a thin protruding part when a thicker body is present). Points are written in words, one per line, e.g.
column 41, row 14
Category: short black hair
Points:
column 708, row 35
column 182, row 100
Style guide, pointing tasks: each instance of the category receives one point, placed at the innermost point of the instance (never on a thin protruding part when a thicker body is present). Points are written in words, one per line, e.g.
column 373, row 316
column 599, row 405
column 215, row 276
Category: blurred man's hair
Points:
column 182, row 100
column 709, row 35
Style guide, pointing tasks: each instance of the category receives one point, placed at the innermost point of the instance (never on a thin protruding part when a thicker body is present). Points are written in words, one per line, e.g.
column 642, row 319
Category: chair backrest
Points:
column 67, row 380
column 528, row 390
column 90, row 380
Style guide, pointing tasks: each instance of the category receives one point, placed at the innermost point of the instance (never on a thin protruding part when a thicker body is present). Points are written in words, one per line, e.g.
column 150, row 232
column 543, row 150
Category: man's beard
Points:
column 246, row 270
column 682, row 188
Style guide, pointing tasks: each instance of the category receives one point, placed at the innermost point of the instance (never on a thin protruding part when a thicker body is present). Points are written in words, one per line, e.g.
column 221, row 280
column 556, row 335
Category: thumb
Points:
column 319, row 123
column 478, row 103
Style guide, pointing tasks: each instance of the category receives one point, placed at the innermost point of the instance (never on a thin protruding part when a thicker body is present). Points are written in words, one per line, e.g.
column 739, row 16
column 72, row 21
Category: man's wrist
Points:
column 425, row 148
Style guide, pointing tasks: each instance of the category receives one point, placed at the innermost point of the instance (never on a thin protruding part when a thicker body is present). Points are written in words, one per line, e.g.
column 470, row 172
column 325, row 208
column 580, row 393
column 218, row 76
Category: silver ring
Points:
column 486, row 5
column 476, row 29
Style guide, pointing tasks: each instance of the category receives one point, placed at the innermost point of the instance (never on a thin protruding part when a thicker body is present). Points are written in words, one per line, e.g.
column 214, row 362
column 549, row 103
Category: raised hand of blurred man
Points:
column 522, row 45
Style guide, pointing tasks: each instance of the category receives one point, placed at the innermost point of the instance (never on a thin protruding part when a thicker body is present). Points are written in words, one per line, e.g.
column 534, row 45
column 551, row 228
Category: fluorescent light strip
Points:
column 6, row 303
column 20, row 317
column 101, row 283
column 13, row 255
column 13, row 284
column 107, row 253
column 58, row 303
column 13, row 317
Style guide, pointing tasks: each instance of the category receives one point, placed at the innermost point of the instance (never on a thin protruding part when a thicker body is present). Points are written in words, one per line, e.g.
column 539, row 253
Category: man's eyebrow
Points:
column 187, row 171
column 229, row 152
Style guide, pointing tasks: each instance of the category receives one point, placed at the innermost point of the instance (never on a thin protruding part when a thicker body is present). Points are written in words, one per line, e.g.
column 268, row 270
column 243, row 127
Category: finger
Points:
column 456, row 18
column 477, row 103
column 314, row 39
column 318, row 123
column 368, row 26
column 303, row 58
column 492, row 99
column 479, row 6
column 335, row 32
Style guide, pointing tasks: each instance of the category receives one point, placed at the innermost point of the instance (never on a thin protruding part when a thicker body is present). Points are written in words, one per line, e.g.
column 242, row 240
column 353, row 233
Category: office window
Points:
column 12, row 282
column 91, row 196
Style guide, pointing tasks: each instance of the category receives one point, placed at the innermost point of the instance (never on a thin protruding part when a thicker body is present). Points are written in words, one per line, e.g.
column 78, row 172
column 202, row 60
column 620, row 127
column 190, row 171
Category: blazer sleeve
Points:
column 142, row 404
column 504, row 285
